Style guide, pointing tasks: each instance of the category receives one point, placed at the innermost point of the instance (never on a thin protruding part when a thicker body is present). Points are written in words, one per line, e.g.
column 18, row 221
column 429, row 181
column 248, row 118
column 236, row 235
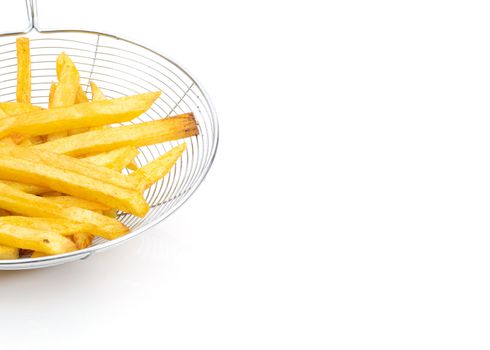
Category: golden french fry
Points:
column 16, row 108
column 67, row 89
column 78, row 166
column 97, row 94
column 52, row 91
column 61, row 226
column 82, row 240
column 38, row 255
column 3, row 212
column 28, row 188
column 81, row 115
column 133, row 166
column 116, row 159
column 74, row 184
column 69, row 83
column 79, row 231
column 152, row 172
column 8, row 253
column 81, row 96
column 23, row 70
column 6, row 124
column 27, row 204
column 27, row 238
column 110, row 213
column 70, row 201
column 137, row 135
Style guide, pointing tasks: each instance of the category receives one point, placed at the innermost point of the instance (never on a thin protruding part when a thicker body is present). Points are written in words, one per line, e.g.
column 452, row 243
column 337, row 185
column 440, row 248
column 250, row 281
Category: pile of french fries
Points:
column 61, row 179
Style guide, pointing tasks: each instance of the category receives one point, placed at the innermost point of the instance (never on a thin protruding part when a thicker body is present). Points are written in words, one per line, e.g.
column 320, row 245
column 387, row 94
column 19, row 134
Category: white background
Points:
column 348, row 206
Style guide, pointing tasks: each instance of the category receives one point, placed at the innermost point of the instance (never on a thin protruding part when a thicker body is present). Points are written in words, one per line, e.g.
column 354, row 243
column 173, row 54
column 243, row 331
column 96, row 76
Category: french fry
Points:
column 52, row 91
column 137, row 135
column 23, row 70
column 82, row 115
column 8, row 253
column 98, row 95
column 15, row 108
column 74, row 184
column 81, row 96
column 69, row 82
column 38, row 255
column 61, row 226
column 157, row 169
column 82, row 240
column 78, row 231
column 116, row 159
column 70, row 201
column 133, row 166
column 67, row 89
column 27, row 238
column 30, row 205
column 28, row 188
column 82, row 167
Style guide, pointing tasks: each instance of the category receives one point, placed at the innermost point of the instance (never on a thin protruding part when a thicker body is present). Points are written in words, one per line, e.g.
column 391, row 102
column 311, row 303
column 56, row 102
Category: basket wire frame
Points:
column 119, row 67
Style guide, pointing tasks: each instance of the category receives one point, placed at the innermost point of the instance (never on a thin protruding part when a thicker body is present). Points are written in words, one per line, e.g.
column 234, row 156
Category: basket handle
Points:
column 32, row 15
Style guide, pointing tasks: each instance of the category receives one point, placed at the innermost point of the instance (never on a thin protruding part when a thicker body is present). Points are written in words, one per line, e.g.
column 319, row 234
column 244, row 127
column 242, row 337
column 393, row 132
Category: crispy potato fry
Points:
column 69, row 82
column 82, row 167
column 52, row 91
column 27, row 238
column 70, row 201
column 133, row 166
column 30, row 205
column 81, row 96
column 61, row 226
column 74, row 184
column 111, row 213
column 16, row 108
column 3, row 212
column 82, row 240
column 157, row 169
column 23, row 70
column 81, row 115
column 8, row 253
column 38, row 255
column 97, row 94
column 6, row 124
column 116, row 159
column 78, row 231
column 68, row 89
column 28, row 188
column 137, row 135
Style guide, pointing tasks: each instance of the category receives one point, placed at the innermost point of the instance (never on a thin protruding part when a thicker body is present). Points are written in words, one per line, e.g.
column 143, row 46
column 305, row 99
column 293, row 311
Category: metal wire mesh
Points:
column 120, row 68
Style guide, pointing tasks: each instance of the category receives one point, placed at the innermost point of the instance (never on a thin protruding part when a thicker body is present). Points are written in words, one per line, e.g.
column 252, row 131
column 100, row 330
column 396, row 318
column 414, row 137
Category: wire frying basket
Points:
column 119, row 67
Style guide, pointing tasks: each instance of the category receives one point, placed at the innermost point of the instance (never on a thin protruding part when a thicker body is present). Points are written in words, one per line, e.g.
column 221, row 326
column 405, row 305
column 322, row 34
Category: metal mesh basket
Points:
column 119, row 67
